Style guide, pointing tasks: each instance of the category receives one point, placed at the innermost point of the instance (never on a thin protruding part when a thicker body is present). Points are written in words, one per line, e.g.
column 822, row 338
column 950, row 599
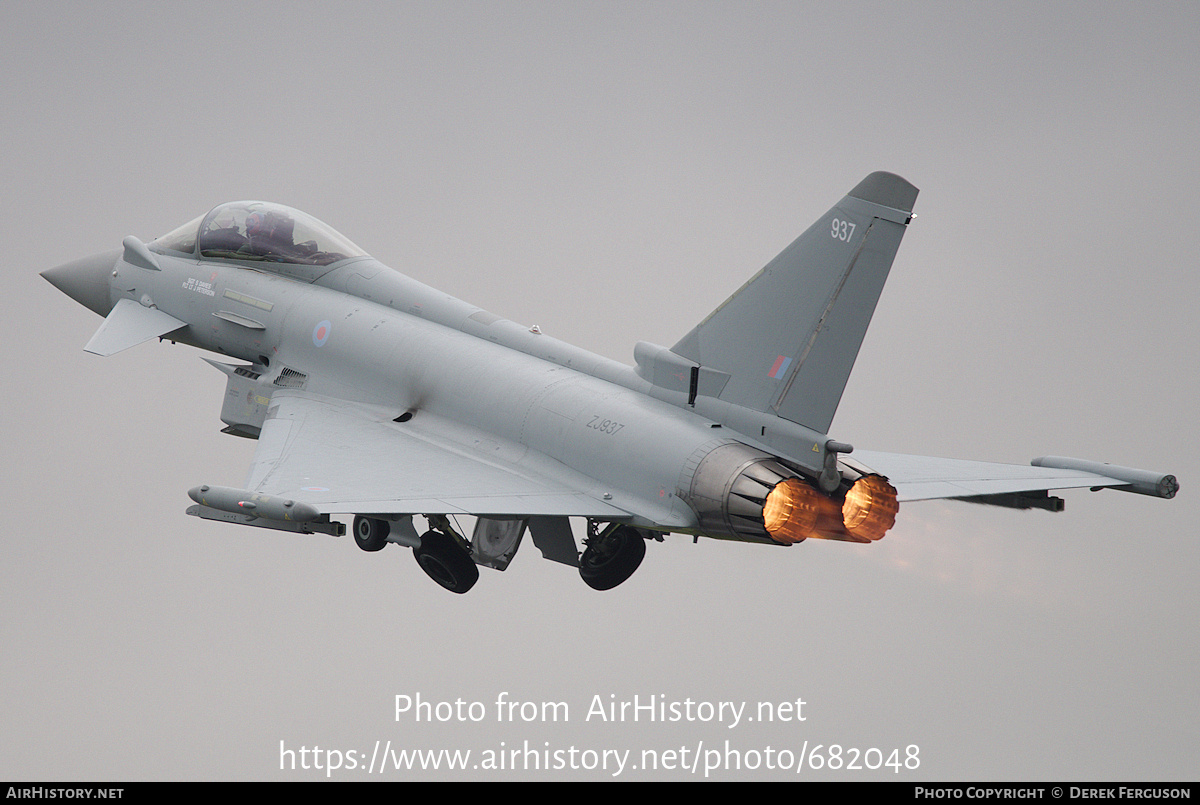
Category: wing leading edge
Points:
column 341, row 457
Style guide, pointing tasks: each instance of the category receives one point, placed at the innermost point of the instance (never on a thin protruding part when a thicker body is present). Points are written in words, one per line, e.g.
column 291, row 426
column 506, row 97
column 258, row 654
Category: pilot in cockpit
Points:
column 270, row 234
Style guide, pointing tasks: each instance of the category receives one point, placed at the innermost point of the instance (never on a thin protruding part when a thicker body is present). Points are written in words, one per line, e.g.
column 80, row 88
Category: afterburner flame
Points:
column 790, row 511
column 870, row 508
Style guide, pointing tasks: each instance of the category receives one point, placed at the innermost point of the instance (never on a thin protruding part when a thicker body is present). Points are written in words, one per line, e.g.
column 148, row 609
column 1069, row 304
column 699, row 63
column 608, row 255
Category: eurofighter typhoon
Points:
column 373, row 395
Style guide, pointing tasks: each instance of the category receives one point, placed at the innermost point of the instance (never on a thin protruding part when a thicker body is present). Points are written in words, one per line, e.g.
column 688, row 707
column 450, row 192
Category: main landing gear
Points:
column 440, row 552
column 611, row 556
column 443, row 559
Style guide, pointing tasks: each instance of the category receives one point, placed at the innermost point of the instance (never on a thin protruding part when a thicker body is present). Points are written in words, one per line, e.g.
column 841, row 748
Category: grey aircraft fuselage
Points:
column 394, row 342
column 420, row 350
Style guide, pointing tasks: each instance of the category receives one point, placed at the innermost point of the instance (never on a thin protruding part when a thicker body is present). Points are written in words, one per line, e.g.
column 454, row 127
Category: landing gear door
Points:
column 494, row 542
column 552, row 535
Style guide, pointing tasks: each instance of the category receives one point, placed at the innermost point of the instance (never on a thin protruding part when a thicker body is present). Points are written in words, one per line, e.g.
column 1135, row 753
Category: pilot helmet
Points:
column 256, row 224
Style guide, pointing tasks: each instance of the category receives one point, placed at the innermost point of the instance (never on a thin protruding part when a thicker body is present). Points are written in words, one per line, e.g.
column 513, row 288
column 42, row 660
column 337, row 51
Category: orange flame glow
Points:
column 790, row 511
column 870, row 508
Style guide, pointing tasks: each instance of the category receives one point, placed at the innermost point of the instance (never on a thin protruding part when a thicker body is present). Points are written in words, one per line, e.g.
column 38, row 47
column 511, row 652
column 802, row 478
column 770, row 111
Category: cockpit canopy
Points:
column 262, row 232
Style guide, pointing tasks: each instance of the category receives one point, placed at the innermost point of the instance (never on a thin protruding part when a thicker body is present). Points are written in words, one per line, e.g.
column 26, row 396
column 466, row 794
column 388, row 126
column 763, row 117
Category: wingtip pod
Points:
column 1142, row 482
column 887, row 190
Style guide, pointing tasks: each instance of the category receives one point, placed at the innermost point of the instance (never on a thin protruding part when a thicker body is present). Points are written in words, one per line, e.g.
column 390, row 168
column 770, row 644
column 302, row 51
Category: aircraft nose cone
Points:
column 86, row 280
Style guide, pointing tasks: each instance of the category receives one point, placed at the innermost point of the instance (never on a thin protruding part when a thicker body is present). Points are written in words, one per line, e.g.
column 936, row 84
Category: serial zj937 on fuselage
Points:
column 373, row 395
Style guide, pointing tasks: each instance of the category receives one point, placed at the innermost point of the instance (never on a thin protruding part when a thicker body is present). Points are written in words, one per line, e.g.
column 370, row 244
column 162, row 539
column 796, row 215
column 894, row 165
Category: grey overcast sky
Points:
column 611, row 172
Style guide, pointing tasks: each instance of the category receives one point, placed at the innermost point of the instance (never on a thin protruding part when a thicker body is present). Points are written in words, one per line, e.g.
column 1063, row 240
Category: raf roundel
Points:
column 321, row 333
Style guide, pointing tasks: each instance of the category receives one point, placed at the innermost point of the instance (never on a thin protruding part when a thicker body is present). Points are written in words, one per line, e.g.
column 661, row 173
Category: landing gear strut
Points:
column 611, row 557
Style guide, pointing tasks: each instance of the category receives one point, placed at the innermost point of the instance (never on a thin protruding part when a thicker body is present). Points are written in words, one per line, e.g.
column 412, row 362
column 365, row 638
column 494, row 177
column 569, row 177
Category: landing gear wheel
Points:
column 370, row 533
column 440, row 556
column 612, row 558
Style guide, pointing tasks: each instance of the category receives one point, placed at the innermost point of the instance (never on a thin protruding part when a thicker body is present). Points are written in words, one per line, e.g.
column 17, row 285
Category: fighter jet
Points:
column 373, row 395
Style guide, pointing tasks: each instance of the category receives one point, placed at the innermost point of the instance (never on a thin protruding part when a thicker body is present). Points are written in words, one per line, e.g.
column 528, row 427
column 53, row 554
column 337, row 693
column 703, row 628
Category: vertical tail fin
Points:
column 789, row 337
